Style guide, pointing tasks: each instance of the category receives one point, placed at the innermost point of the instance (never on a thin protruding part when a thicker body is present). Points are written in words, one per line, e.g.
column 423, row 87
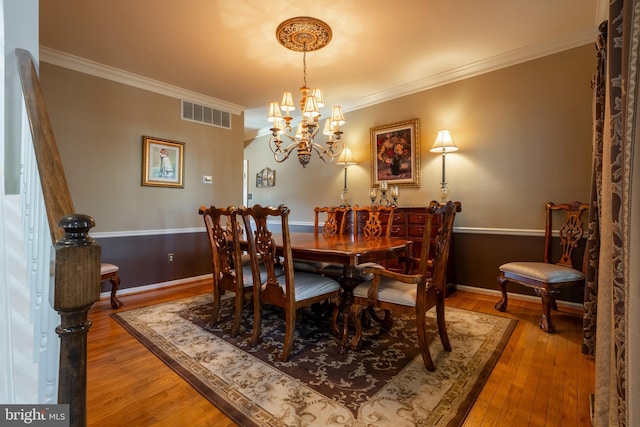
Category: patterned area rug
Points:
column 383, row 384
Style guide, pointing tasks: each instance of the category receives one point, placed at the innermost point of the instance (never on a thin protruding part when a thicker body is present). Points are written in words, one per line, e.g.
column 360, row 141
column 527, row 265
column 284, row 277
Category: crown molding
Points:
column 487, row 65
column 82, row 65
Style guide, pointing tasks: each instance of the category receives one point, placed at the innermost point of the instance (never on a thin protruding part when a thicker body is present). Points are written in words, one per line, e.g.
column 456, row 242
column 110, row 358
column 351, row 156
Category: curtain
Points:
column 612, row 297
column 598, row 85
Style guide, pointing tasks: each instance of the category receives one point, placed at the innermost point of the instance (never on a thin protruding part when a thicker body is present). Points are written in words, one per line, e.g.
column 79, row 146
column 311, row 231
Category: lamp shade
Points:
column 287, row 102
column 274, row 112
column 346, row 158
column 337, row 118
column 443, row 143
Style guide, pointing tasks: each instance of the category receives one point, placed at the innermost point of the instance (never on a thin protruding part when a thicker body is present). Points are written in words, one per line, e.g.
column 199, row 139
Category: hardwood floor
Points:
column 540, row 380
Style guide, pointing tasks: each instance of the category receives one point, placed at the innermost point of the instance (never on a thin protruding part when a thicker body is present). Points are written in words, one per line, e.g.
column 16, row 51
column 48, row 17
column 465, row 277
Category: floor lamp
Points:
column 345, row 159
column 443, row 144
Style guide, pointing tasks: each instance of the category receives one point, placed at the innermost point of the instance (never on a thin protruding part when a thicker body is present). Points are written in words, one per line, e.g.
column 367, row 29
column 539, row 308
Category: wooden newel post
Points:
column 77, row 287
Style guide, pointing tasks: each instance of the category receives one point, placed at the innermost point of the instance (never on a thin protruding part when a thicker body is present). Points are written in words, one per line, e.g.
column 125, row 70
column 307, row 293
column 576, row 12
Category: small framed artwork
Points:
column 395, row 154
column 162, row 162
column 266, row 178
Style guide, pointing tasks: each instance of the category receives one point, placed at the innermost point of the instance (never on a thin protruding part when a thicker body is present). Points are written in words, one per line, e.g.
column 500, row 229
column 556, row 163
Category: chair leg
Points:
column 548, row 299
column 442, row 326
column 423, row 342
column 237, row 313
column 502, row 304
column 115, row 285
column 215, row 308
column 290, row 326
column 257, row 321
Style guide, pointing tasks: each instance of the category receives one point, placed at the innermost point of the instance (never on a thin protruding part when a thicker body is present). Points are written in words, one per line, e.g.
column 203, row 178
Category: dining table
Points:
column 350, row 251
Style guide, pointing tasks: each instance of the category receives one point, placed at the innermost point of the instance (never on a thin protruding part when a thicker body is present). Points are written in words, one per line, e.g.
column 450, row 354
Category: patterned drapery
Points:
column 598, row 85
column 612, row 297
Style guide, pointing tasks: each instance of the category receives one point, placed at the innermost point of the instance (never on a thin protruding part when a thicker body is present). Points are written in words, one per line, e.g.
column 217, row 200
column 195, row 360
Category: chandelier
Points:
column 304, row 34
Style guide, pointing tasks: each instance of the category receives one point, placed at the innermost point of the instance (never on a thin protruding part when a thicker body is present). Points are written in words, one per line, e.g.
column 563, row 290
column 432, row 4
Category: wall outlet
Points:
column 170, row 257
column 207, row 179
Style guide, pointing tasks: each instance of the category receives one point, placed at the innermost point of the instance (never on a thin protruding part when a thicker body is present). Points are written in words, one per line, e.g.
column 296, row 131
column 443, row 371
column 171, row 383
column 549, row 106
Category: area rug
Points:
column 382, row 384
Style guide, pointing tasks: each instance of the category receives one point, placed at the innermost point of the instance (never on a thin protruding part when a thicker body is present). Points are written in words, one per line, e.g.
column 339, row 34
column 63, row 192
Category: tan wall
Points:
column 99, row 126
column 524, row 138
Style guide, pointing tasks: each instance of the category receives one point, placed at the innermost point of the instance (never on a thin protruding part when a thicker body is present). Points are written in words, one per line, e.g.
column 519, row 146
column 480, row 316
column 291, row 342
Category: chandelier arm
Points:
column 280, row 154
column 331, row 153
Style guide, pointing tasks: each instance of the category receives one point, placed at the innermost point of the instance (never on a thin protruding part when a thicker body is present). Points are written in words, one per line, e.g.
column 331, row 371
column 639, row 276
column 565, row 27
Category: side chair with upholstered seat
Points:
column 111, row 273
column 413, row 293
column 334, row 224
column 368, row 223
column 292, row 290
column 229, row 273
column 335, row 218
column 547, row 278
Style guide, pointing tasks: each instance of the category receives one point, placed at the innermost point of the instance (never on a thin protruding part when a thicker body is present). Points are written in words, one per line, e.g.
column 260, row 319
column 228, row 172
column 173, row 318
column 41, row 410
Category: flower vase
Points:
column 394, row 166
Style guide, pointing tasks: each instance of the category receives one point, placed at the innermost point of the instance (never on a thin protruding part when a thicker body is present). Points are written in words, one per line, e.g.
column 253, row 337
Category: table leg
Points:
column 348, row 282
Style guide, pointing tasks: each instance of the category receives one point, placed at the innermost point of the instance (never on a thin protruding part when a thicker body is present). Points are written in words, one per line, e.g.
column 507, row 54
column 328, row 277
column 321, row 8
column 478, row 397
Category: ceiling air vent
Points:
column 202, row 114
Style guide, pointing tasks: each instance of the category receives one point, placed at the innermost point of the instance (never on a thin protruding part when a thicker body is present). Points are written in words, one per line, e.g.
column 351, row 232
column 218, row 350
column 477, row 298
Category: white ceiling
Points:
column 381, row 49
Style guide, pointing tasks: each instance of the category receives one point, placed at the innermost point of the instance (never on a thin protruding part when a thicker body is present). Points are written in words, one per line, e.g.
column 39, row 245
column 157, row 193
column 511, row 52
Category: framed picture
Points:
column 162, row 162
column 266, row 178
column 395, row 154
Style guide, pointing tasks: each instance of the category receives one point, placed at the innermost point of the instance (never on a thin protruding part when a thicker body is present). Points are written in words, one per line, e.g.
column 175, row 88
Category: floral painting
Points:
column 395, row 154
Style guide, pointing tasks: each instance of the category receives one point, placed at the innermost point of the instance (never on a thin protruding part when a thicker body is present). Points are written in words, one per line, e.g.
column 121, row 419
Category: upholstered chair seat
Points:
column 541, row 272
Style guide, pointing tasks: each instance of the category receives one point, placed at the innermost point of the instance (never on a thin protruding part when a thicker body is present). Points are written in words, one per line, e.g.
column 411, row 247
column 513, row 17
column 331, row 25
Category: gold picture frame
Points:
column 395, row 154
column 162, row 162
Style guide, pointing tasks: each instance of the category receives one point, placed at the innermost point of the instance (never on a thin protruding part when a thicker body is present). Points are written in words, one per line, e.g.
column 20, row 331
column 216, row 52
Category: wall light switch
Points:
column 207, row 179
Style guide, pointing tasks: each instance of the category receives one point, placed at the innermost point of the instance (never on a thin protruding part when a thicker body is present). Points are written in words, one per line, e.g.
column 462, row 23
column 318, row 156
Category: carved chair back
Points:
column 224, row 234
column 571, row 231
column 335, row 220
column 373, row 221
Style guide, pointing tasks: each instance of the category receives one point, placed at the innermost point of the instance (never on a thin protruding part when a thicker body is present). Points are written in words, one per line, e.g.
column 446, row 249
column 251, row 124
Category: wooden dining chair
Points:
column 333, row 225
column 372, row 222
column 547, row 278
column 229, row 273
column 334, row 220
column 368, row 221
column 290, row 291
column 111, row 273
column 413, row 293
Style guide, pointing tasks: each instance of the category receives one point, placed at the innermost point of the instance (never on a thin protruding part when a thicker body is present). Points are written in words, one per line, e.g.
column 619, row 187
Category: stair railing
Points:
column 77, row 255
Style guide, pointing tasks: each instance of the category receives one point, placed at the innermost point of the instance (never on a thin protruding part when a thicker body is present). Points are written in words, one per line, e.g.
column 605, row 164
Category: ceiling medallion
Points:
column 303, row 33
